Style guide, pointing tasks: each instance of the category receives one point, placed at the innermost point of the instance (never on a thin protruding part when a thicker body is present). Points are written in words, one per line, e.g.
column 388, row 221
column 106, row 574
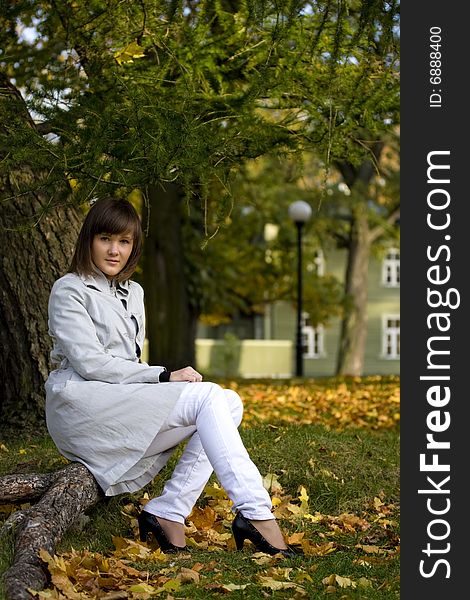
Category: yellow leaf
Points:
column 363, row 582
column 193, row 544
column 127, row 54
column 172, row 585
column 318, row 549
column 294, row 509
column 302, row 576
column 378, row 503
column 369, row 549
column 47, row 558
column 260, row 558
column 54, row 594
column 280, row 573
column 303, row 497
column 214, row 491
column 275, row 585
column 142, row 587
column 22, row 451
column 296, row 538
column 271, row 483
column 126, row 548
column 203, row 518
column 315, row 519
column 58, row 570
column 232, row 587
column 330, row 580
column 342, row 582
column 345, row 582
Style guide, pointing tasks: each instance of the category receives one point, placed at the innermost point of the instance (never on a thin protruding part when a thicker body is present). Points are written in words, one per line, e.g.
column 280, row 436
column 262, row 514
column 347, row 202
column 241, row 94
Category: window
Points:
column 391, row 268
column 391, row 336
column 312, row 338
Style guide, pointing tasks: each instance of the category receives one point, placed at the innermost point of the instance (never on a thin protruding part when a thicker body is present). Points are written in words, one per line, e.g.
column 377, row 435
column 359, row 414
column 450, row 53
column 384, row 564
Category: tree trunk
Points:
column 354, row 324
column 352, row 344
column 32, row 259
column 37, row 245
column 66, row 495
column 171, row 318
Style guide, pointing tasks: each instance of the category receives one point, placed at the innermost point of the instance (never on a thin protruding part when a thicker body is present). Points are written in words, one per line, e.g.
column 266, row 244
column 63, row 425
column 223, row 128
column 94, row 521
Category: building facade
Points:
column 264, row 346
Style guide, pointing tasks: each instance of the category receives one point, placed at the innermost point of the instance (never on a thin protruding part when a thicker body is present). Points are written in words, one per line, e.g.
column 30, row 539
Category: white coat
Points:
column 103, row 405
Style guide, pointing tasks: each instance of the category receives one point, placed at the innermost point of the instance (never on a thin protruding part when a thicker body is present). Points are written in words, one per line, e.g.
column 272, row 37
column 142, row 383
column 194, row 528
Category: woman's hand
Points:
column 186, row 374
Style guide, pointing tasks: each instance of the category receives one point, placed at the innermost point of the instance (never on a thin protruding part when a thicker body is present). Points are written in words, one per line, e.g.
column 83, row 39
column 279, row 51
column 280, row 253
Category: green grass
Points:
column 342, row 472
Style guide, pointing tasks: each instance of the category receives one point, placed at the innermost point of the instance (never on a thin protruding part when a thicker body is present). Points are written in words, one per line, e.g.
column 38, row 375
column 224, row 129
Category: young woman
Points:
column 121, row 417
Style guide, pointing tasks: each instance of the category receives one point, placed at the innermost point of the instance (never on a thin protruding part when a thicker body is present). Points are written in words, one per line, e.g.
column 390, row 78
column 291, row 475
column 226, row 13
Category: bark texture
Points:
column 352, row 344
column 67, row 494
column 33, row 257
column 354, row 324
column 171, row 321
column 37, row 235
column 25, row 488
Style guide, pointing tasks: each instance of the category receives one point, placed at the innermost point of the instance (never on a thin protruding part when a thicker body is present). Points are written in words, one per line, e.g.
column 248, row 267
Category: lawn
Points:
column 328, row 450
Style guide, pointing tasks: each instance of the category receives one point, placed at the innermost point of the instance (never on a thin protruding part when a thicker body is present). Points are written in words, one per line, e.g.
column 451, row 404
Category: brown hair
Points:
column 108, row 215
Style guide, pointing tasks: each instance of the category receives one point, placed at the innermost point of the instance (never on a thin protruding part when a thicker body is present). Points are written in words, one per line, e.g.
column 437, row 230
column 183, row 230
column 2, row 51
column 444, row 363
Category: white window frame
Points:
column 390, row 337
column 391, row 268
column 313, row 338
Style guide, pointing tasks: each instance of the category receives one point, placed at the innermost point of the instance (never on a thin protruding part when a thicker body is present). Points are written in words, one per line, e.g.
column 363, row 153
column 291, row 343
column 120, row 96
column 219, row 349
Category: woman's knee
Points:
column 214, row 393
column 235, row 405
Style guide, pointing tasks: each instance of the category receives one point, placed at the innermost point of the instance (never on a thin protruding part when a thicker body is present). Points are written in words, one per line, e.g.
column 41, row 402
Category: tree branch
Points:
column 71, row 492
column 14, row 100
column 24, row 488
column 376, row 232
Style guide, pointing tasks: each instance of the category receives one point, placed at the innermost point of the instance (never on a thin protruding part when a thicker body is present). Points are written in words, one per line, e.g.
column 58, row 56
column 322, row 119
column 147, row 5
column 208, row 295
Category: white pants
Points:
column 210, row 415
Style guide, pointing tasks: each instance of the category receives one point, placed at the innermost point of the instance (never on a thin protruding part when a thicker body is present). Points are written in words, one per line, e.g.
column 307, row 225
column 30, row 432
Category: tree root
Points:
column 63, row 497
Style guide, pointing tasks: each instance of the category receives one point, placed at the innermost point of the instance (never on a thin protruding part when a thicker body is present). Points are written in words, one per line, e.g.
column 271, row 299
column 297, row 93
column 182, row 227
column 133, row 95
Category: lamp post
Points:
column 300, row 212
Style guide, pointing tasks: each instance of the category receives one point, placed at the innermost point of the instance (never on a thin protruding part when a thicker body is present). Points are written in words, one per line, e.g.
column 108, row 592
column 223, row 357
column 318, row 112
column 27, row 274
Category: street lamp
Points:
column 300, row 212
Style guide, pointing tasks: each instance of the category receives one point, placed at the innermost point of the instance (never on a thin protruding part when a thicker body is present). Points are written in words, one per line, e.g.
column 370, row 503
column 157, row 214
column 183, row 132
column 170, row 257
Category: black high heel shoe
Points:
column 148, row 523
column 244, row 530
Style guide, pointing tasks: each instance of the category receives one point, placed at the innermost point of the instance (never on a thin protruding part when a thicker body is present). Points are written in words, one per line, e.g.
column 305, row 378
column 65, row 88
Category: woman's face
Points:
column 110, row 252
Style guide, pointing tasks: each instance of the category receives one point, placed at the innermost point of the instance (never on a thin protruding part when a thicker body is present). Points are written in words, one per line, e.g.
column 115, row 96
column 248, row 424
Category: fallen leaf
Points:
column 369, row 549
column 275, row 585
column 142, row 587
column 345, row 582
column 271, row 483
column 203, row 518
column 296, row 538
column 232, row 587
column 188, row 576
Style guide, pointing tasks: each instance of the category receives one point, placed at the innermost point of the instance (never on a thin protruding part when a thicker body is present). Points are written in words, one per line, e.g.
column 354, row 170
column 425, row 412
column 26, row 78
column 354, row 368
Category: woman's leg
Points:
column 193, row 469
column 204, row 406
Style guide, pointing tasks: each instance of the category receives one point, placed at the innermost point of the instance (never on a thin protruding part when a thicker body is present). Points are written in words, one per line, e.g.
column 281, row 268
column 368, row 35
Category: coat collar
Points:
column 98, row 280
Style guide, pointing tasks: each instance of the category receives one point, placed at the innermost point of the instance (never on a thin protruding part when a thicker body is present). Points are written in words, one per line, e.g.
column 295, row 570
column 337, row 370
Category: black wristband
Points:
column 164, row 376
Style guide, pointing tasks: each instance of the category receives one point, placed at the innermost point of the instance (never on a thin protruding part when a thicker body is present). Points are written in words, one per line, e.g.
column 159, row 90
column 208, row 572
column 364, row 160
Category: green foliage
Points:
column 133, row 94
column 138, row 93
column 251, row 260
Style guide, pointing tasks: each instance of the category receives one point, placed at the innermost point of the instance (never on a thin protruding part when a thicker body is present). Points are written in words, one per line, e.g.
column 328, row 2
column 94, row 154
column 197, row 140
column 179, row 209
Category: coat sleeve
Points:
column 73, row 330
